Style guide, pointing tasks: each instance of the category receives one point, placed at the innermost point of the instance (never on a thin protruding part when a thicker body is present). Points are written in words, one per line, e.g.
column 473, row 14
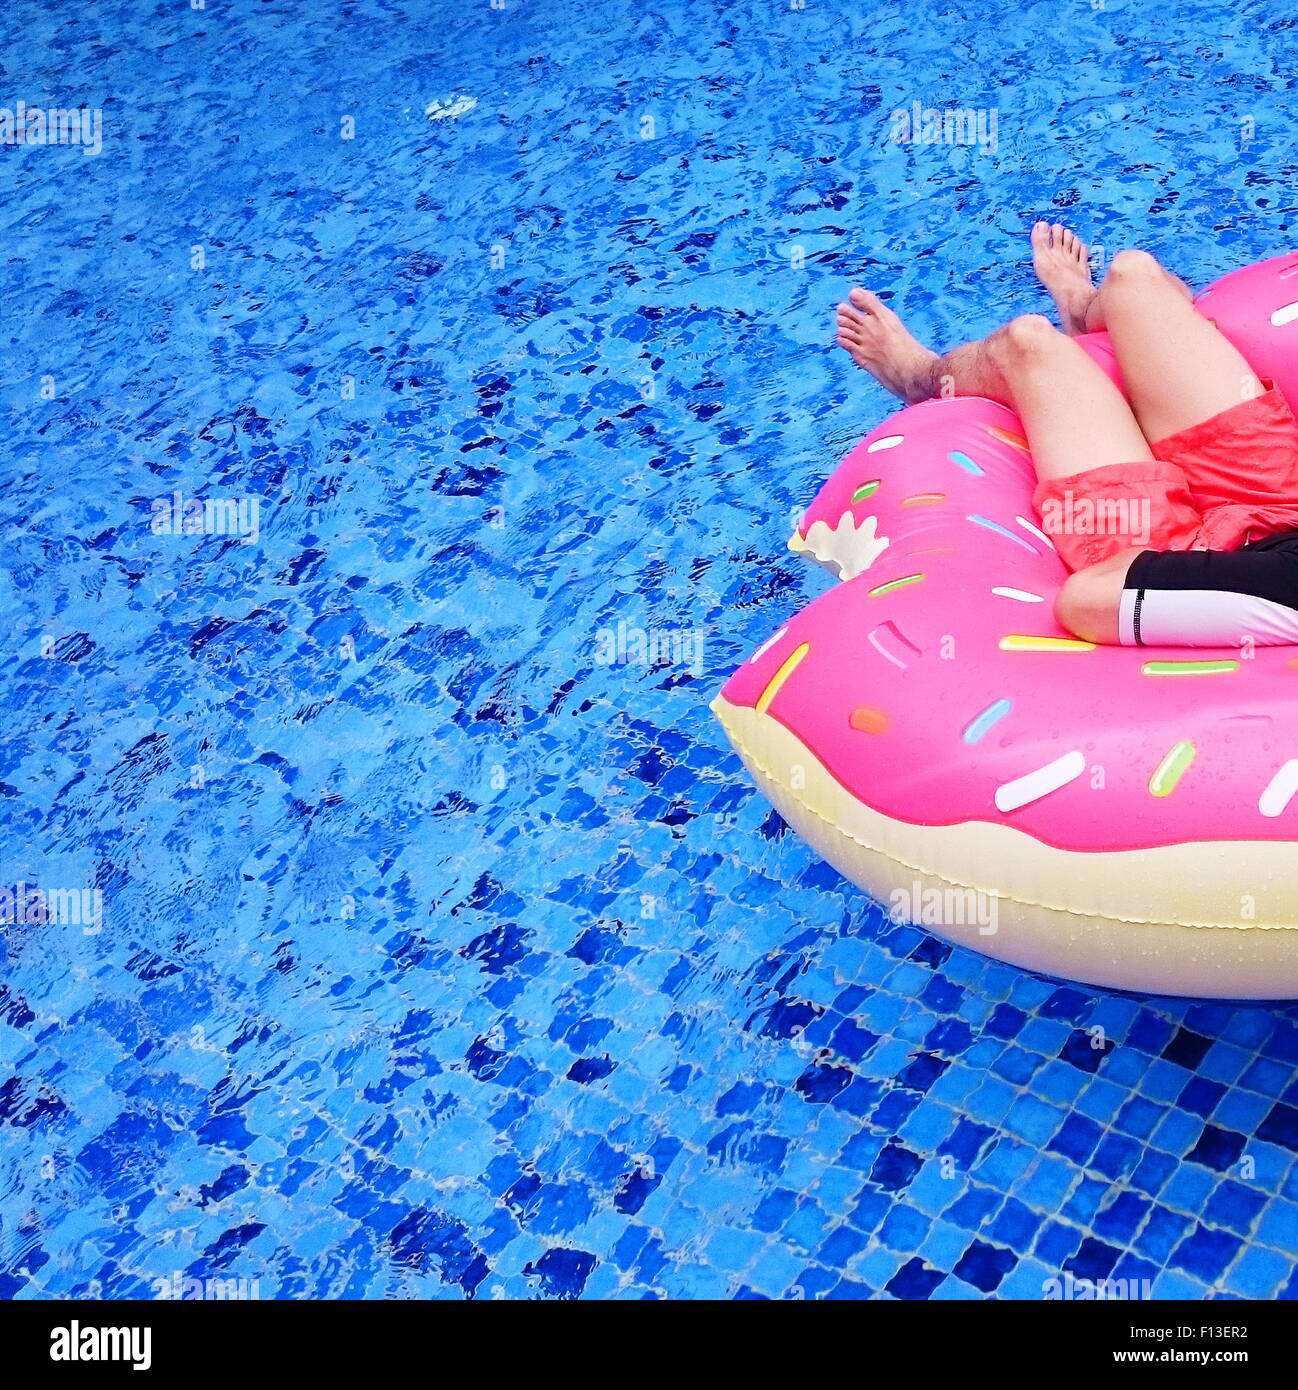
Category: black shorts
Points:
column 1213, row 598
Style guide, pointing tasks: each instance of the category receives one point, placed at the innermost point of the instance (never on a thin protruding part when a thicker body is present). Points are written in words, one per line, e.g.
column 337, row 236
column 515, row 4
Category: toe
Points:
column 1041, row 235
column 1057, row 234
column 871, row 305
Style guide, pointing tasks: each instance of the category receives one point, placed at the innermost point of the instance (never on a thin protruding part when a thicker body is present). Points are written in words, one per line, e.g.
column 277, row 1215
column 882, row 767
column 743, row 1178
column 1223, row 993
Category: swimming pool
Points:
column 441, row 948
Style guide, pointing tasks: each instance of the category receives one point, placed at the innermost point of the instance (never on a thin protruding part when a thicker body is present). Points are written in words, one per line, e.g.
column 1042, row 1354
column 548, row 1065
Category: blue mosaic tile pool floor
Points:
column 440, row 958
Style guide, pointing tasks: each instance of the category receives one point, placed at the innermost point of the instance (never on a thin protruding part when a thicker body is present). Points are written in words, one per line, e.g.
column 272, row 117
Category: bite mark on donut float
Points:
column 895, row 638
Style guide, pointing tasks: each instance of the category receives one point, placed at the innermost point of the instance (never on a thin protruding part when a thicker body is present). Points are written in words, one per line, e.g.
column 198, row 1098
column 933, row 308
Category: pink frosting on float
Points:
column 1257, row 309
column 906, row 688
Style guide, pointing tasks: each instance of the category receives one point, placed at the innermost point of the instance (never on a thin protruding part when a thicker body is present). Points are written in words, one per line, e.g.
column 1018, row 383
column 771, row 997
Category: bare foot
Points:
column 1062, row 263
column 877, row 340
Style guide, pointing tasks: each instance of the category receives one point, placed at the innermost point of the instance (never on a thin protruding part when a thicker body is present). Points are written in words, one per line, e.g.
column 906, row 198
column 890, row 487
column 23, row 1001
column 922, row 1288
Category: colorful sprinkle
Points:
column 932, row 550
column 1034, row 785
column 1285, row 315
column 1280, row 789
column 892, row 584
column 1018, row 643
column 868, row 721
column 1005, row 437
column 1290, row 270
column 1036, row 531
column 866, row 490
column 894, row 634
column 889, row 441
column 1187, row 668
column 991, row 716
column 1000, row 530
column 920, row 498
column 966, row 463
column 1168, row 773
column 767, row 645
column 1021, row 594
column 777, row 680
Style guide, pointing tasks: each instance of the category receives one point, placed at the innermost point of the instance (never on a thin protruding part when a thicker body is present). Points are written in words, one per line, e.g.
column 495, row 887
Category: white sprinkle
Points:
column 768, row 644
column 1028, row 526
column 1034, row 785
column 1021, row 594
column 1287, row 314
column 1280, row 789
column 889, row 441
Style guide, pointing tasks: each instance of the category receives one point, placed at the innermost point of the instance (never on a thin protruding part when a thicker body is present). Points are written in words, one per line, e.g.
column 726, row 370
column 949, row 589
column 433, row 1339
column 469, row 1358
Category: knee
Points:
column 1087, row 604
column 1025, row 338
column 1133, row 267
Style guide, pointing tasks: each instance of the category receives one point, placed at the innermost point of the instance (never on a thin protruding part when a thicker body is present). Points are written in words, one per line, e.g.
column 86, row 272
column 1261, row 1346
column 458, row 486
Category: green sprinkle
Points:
column 1168, row 773
column 1187, row 668
column 895, row 584
column 865, row 490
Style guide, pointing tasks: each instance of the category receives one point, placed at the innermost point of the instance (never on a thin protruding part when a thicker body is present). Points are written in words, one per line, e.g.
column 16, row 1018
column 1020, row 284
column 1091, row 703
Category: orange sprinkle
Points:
column 868, row 721
column 922, row 497
column 1006, row 437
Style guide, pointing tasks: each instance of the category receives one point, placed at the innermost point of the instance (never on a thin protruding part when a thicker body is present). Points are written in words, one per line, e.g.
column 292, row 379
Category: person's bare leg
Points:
column 1179, row 369
column 877, row 340
column 1062, row 262
column 1073, row 415
column 1096, row 322
column 1089, row 602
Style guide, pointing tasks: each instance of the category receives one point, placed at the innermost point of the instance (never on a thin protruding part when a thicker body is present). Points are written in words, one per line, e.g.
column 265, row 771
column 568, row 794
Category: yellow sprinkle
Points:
column 1187, row 668
column 1168, row 773
column 1045, row 644
column 782, row 675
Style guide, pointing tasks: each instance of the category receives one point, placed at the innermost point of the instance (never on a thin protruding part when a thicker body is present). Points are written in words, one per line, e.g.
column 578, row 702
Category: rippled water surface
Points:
column 440, row 956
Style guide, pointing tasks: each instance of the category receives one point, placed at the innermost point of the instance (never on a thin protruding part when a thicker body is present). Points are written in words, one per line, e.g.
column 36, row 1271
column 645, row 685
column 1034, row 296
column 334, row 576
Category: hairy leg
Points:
column 1178, row 368
column 1074, row 417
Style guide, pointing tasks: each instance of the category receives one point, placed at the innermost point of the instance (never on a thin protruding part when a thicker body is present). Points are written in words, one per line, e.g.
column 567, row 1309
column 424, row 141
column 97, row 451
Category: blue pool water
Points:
column 439, row 955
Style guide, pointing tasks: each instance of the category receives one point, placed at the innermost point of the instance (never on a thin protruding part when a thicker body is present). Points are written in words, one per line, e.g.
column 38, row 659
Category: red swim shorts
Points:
column 1214, row 486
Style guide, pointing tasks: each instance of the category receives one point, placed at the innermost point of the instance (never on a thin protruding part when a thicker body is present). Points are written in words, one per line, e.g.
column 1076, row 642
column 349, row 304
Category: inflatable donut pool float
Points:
column 1130, row 815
